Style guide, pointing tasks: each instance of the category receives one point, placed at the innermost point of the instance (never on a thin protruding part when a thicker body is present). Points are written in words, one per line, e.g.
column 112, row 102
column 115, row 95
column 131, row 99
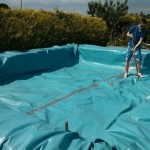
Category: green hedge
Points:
column 27, row 29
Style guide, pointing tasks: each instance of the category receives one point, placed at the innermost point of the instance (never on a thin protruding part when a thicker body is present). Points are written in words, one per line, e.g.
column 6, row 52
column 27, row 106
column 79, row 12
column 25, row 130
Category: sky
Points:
column 79, row 6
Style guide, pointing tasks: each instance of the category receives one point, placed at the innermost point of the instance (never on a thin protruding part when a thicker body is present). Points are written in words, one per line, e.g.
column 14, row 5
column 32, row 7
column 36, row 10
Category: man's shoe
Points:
column 140, row 75
column 125, row 75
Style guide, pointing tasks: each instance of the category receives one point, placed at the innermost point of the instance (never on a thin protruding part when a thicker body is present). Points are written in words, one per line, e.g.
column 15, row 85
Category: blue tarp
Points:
column 42, row 89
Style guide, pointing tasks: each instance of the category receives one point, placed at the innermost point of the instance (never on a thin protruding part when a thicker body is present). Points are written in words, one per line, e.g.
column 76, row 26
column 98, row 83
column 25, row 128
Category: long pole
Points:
column 21, row 4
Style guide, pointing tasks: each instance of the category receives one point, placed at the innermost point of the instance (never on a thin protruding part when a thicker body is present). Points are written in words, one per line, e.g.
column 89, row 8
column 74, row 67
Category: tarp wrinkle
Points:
column 83, row 85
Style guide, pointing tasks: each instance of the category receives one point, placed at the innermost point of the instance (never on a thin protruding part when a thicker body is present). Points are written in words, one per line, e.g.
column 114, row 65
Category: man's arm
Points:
column 138, row 44
column 130, row 35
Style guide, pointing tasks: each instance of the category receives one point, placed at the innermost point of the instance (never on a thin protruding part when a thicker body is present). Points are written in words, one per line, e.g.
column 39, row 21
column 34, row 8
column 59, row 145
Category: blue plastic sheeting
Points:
column 82, row 84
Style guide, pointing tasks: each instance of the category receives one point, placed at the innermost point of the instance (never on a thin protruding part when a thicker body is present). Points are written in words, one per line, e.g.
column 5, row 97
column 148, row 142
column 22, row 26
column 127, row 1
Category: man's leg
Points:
column 126, row 69
column 138, row 67
column 138, row 63
column 128, row 58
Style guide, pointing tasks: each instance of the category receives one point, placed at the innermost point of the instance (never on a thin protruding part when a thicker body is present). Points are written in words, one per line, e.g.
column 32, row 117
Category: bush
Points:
column 27, row 29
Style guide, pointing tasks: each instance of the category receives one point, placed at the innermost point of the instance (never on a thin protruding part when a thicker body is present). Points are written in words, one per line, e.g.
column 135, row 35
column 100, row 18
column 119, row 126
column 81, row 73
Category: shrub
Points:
column 26, row 29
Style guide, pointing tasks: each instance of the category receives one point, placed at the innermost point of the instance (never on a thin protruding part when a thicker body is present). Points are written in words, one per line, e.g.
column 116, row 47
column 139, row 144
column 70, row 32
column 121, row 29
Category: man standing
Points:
column 136, row 34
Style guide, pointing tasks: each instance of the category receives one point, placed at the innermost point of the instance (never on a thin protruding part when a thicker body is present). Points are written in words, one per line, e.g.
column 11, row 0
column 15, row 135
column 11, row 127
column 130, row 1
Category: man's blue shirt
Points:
column 137, row 33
